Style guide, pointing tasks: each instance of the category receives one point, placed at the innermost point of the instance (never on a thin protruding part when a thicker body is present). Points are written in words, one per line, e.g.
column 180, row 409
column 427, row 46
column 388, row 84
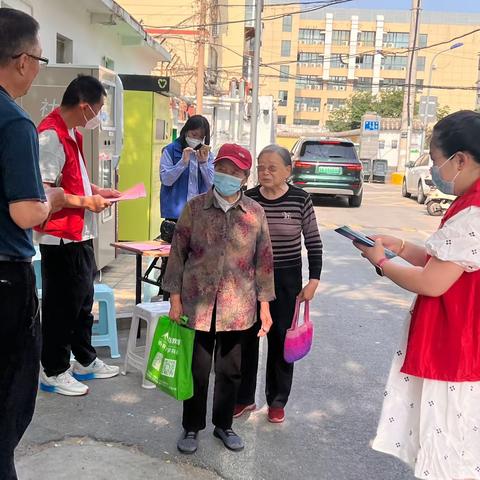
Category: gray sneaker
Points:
column 188, row 442
column 229, row 438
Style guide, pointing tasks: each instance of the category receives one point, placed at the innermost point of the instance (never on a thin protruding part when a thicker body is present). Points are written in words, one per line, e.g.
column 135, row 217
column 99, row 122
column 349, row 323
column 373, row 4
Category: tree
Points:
column 442, row 111
column 348, row 117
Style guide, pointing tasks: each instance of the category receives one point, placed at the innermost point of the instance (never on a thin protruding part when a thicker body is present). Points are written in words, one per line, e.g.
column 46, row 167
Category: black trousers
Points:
column 19, row 356
column 68, row 273
column 228, row 350
column 288, row 284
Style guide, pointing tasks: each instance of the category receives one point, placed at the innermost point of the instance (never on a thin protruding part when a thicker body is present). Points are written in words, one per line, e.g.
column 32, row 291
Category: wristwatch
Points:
column 379, row 266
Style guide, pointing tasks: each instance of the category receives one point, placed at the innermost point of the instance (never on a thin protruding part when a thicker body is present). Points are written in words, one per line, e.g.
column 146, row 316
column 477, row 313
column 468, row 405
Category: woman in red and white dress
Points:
column 431, row 411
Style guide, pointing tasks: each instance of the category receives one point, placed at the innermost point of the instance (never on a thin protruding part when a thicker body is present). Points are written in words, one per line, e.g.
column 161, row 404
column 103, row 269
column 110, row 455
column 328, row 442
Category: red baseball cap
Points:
column 237, row 154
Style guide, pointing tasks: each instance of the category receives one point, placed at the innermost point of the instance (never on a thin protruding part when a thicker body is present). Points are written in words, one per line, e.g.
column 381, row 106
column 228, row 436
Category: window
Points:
column 392, row 83
column 282, row 98
column 310, row 59
column 306, row 104
column 381, row 144
column 395, row 40
column 421, row 64
column 419, row 85
column 337, row 83
column 394, row 63
column 287, row 23
column 281, row 120
column 334, row 103
column 364, row 61
column 108, row 62
column 422, row 40
column 341, row 37
column 302, row 121
column 394, row 144
column 363, row 83
column 286, row 47
column 366, row 39
column 336, row 61
column 64, row 49
column 284, row 73
column 310, row 82
column 311, row 36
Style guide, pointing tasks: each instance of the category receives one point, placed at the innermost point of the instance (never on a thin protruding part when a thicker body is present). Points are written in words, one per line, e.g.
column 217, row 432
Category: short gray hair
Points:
column 282, row 152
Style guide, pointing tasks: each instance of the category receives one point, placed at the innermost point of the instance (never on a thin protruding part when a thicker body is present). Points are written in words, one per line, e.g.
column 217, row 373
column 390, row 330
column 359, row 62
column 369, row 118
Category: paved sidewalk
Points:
column 120, row 275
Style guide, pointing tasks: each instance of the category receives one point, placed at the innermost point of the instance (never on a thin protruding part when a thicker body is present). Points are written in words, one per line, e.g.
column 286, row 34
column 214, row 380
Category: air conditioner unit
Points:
column 345, row 42
column 308, row 86
column 390, row 45
column 315, row 109
column 403, row 68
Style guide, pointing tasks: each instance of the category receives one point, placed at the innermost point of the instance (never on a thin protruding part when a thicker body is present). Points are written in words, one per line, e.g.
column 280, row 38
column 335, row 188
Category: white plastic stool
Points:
column 137, row 356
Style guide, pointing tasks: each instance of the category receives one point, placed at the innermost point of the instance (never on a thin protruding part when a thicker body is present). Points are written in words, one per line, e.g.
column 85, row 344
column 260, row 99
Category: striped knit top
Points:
column 288, row 217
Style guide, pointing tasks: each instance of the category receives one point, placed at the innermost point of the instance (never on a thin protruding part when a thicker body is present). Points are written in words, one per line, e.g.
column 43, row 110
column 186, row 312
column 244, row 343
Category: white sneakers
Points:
column 64, row 384
column 68, row 383
column 97, row 369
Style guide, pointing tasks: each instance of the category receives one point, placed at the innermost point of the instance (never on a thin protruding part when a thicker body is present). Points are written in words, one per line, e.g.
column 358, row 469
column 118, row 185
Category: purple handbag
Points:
column 298, row 341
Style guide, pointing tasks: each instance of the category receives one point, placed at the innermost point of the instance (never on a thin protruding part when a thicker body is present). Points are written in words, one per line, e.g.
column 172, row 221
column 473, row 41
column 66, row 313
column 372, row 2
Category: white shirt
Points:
column 224, row 204
column 52, row 161
column 458, row 241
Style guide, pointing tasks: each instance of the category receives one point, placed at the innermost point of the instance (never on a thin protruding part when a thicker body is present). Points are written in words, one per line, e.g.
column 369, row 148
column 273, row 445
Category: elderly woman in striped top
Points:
column 290, row 214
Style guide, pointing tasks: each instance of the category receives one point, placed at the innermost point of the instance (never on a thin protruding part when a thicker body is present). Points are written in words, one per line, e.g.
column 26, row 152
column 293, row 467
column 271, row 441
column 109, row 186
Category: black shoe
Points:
column 188, row 442
column 229, row 438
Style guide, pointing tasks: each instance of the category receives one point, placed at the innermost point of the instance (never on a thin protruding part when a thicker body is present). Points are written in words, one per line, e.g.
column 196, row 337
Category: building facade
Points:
column 316, row 60
column 92, row 32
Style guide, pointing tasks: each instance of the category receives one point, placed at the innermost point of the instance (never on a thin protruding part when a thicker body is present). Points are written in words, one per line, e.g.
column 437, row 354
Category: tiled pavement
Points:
column 120, row 275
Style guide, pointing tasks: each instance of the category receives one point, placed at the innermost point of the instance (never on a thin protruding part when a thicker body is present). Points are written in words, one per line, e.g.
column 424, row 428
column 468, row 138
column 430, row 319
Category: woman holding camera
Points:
column 186, row 167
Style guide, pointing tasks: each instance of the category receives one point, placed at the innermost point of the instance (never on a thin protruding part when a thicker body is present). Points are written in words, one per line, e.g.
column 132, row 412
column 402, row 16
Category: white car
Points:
column 417, row 180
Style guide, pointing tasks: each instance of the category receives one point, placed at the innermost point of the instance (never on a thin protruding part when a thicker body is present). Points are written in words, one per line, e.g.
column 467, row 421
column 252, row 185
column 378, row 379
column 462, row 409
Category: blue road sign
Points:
column 371, row 125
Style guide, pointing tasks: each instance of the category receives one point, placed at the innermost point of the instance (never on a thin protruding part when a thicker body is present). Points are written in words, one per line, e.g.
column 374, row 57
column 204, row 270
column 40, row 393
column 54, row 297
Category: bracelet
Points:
column 381, row 262
column 402, row 247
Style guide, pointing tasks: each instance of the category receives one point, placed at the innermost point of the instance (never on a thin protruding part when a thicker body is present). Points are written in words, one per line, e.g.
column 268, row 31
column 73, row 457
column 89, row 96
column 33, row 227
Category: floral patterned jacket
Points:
column 222, row 258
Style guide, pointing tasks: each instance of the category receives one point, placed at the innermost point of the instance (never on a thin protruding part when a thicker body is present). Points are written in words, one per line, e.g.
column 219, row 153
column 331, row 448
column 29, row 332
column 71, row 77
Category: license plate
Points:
column 329, row 170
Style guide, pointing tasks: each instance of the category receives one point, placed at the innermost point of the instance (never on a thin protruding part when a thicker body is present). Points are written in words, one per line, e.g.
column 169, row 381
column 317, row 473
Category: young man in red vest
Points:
column 66, row 243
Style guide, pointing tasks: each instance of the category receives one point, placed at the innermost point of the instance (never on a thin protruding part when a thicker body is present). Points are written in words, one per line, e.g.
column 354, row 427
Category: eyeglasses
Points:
column 262, row 168
column 40, row 59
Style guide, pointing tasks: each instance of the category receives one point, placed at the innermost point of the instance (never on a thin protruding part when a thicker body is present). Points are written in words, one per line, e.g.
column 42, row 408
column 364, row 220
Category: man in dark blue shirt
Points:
column 23, row 204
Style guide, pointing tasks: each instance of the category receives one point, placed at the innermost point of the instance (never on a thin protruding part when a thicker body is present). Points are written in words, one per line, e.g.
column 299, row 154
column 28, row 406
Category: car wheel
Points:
column 404, row 189
column 421, row 194
column 356, row 200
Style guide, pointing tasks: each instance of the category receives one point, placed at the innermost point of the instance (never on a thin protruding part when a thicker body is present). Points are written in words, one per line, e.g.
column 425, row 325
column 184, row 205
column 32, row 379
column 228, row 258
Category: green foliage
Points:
column 348, row 117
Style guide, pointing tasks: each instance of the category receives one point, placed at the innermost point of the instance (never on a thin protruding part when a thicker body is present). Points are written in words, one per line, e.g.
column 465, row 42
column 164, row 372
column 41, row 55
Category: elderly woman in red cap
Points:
column 220, row 265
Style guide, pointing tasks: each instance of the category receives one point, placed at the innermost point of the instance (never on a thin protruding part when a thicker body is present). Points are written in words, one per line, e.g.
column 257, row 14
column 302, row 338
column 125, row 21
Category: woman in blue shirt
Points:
column 186, row 167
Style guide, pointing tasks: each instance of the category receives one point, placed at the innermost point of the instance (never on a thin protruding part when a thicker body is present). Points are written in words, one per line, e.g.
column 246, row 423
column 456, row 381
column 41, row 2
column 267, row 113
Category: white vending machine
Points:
column 102, row 146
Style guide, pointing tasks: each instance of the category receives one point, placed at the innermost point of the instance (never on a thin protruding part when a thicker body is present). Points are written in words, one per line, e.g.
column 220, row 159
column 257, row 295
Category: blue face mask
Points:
column 445, row 186
column 226, row 185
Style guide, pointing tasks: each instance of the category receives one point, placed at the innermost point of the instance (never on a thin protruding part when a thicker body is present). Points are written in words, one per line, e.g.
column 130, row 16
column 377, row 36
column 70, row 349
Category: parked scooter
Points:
column 437, row 202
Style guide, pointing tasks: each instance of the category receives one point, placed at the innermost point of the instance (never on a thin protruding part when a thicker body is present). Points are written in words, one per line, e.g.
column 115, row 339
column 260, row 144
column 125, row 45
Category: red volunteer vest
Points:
column 444, row 336
column 67, row 223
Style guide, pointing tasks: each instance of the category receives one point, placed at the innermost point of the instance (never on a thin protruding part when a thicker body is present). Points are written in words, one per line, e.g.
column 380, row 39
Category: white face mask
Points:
column 193, row 142
column 94, row 122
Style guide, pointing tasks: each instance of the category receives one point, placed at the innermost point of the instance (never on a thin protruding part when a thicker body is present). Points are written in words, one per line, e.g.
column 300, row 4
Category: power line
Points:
column 245, row 20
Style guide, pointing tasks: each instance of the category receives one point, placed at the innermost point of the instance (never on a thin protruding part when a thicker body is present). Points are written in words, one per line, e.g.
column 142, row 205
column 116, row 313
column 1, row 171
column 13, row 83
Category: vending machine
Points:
column 148, row 128
column 102, row 147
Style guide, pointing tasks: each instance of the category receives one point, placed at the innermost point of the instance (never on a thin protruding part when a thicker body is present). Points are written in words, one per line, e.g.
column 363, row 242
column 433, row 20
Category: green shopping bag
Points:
column 170, row 362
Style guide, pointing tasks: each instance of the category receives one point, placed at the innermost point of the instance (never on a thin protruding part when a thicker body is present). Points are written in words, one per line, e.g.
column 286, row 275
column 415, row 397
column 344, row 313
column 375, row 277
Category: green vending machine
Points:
column 147, row 129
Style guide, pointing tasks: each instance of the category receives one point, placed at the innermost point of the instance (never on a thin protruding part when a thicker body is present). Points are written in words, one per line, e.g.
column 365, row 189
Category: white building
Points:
column 93, row 32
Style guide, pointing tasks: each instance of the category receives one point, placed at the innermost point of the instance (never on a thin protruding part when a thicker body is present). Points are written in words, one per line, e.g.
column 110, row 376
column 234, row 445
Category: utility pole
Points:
column 256, row 82
column 202, row 33
column 409, row 94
